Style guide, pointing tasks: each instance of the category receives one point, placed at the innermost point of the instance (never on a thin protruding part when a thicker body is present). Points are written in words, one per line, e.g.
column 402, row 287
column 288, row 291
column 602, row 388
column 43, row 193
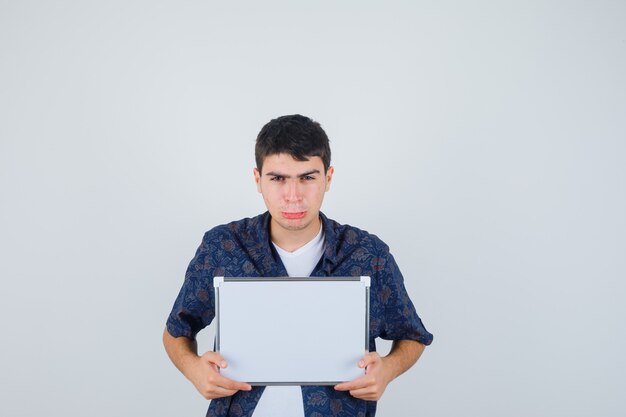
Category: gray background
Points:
column 483, row 141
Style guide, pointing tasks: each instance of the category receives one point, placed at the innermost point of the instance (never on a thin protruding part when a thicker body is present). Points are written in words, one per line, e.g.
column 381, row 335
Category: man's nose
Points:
column 293, row 191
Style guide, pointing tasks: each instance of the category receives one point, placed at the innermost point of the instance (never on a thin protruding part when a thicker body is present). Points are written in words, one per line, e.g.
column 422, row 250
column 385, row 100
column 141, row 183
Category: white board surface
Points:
column 292, row 331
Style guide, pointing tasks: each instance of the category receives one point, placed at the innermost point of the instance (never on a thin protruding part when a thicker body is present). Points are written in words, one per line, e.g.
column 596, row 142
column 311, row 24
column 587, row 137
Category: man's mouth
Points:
column 293, row 215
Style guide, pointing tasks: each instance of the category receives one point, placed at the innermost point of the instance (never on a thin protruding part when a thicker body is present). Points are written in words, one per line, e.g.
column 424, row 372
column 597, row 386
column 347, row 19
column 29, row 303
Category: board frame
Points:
column 257, row 372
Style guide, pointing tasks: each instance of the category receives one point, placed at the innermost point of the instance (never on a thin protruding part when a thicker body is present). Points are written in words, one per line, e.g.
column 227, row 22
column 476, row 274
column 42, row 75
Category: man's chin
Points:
column 294, row 225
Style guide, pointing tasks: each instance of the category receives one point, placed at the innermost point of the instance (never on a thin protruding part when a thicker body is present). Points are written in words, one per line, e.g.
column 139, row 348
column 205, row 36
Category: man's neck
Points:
column 292, row 240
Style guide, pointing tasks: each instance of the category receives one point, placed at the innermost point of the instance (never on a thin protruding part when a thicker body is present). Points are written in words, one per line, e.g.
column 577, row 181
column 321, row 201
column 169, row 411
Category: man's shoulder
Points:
column 246, row 230
column 347, row 235
column 245, row 225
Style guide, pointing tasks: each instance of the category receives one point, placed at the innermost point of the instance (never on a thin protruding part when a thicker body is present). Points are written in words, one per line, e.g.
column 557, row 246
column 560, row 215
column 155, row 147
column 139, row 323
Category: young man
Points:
column 293, row 238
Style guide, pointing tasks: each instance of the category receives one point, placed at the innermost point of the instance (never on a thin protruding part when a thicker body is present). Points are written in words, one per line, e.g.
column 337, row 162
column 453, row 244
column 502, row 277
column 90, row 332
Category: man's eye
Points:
column 308, row 178
column 277, row 178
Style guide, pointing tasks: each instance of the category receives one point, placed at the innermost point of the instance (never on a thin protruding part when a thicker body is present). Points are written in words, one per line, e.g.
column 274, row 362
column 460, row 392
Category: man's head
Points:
column 293, row 173
column 293, row 135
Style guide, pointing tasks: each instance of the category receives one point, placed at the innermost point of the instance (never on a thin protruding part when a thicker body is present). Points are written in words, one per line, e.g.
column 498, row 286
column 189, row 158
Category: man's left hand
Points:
column 371, row 385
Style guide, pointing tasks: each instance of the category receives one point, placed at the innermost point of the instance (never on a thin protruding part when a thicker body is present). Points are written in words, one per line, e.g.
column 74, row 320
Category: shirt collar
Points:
column 329, row 258
column 270, row 259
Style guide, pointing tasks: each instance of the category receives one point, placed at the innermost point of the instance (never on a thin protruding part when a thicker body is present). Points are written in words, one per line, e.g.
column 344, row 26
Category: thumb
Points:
column 215, row 358
column 368, row 359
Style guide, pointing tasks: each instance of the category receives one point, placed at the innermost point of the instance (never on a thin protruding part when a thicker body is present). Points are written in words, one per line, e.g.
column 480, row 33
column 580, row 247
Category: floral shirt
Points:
column 243, row 249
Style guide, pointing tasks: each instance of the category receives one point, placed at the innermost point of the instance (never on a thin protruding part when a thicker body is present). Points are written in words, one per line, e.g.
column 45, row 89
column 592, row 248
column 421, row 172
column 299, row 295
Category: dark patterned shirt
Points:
column 243, row 249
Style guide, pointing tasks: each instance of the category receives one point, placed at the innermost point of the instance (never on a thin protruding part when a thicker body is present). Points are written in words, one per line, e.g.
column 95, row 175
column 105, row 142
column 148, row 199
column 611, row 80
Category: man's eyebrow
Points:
column 311, row 172
column 304, row 174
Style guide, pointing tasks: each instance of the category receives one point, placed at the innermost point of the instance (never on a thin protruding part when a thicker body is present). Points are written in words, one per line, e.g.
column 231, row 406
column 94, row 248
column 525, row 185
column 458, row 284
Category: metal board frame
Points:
column 292, row 331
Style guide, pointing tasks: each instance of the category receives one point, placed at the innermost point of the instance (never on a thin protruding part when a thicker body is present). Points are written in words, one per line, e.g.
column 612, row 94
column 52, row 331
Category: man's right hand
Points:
column 202, row 371
column 205, row 376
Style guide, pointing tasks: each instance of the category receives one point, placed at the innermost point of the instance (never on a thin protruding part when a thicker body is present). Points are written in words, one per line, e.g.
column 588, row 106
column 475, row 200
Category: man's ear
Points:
column 257, row 179
column 329, row 177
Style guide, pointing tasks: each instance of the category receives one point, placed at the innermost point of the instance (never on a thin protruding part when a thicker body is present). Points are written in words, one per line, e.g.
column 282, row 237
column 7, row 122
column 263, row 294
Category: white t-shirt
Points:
column 286, row 401
column 302, row 261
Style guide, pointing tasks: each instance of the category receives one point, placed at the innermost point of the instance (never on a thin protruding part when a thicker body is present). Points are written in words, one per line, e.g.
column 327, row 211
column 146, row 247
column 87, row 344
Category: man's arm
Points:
column 202, row 371
column 380, row 371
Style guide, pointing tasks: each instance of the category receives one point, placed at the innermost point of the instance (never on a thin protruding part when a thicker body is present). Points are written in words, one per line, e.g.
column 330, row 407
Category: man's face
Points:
column 293, row 191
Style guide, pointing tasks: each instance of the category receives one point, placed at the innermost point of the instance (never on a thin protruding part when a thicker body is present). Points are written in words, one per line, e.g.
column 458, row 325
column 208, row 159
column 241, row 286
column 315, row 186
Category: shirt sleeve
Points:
column 194, row 308
column 401, row 320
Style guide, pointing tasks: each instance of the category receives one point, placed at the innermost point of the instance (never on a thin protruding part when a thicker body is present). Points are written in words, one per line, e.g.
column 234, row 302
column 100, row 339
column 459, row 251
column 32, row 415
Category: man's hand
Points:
column 204, row 375
column 371, row 385
column 202, row 371
column 379, row 372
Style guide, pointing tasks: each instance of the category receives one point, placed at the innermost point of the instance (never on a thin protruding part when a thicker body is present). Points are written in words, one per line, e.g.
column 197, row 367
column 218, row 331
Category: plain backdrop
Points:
column 483, row 141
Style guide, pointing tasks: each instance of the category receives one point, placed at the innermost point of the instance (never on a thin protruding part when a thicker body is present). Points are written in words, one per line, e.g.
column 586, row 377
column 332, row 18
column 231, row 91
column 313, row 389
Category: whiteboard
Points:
column 292, row 331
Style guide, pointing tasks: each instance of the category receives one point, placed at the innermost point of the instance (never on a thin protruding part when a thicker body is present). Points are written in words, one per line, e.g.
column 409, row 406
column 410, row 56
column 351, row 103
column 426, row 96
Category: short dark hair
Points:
column 295, row 135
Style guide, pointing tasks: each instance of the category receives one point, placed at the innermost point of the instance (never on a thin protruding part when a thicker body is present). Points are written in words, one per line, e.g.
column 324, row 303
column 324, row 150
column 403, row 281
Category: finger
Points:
column 230, row 384
column 364, row 394
column 352, row 385
column 368, row 359
column 344, row 386
column 215, row 358
column 218, row 392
